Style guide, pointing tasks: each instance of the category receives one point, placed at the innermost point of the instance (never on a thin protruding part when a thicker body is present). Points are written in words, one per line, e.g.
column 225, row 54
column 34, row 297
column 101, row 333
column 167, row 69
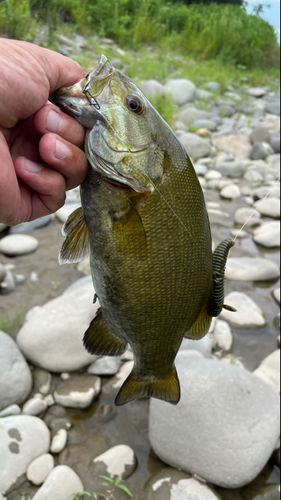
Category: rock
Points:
column 266, row 191
column 118, row 461
column 269, row 370
column 237, row 145
column 23, row 439
column 239, row 233
column 273, row 107
column 260, row 134
column 61, row 483
column 248, row 314
column 213, row 175
column 2, row 272
column 200, row 170
column 105, row 366
column 59, row 441
column 10, row 410
column 248, row 216
column 27, row 227
column 195, row 146
column 268, row 235
column 226, row 110
column 2, row 227
column 79, row 391
column 18, row 244
column 230, row 192
column 42, row 381
column 152, row 87
column 276, row 295
column 190, row 115
column 272, row 123
column 203, row 95
column 8, row 284
column 34, row 406
column 52, row 336
column 275, row 142
column 257, row 92
column 205, row 124
column 261, row 150
column 64, row 212
column 40, row 468
column 230, row 168
column 269, row 207
column 182, row 91
column 213, row 86
column 241, row 439
column 204, row 346
column 251, row 269
column 15, row 375
column 223, row 336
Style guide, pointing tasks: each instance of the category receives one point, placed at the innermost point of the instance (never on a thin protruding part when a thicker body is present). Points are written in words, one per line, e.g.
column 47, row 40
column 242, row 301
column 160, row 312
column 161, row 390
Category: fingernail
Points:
column 54, row 121
column 33, row 167
column 61, row 151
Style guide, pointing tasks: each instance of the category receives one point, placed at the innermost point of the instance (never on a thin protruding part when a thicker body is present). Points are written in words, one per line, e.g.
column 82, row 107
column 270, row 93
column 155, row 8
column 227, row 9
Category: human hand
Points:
column 40, row 146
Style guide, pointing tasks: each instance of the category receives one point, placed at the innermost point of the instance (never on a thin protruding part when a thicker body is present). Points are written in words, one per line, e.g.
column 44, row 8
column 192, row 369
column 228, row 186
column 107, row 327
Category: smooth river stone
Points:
column 18, row 244
column 251, row 269
column 248, row 315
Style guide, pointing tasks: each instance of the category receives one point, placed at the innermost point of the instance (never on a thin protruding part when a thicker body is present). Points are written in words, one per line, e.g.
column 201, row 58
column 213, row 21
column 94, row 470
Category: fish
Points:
column 145, row 225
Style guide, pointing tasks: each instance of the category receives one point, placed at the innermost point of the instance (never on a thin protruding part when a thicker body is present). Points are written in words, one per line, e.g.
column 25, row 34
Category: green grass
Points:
column 11, row 325
column 111, row 486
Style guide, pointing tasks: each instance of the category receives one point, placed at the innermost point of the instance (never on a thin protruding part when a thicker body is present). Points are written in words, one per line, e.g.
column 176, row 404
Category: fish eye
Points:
column 134, row 104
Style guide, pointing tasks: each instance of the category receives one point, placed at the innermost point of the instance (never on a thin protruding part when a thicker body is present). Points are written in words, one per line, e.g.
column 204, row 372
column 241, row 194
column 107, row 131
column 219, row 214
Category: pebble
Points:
column 195, row 146
column 205, row 124
column 203, row 95
column 27, row 227
column 231, row 192
column 23, row 439
column 276, row 295
column 40, row 468
column 235, row 415
column 257, row 92
column 200, row 170
column 213, row 86
column 239, row 233
column 269, row 370
column 230, row 168
column 18, row 244
column 273, row 107
column 34, row 406
column 251, row 269
column 8, row 284
column 10, row 410
column 237, row 145
column 79, row 391
column 152, row 87
column 189, row 115
column 42, row 381
column 105, row 366
column 212, row 175
column 181, row 91
column 261, row 150
column 275, row 142
column 223, row 336
column 248, row 315
column 269, row 207
column 272, row 123
column 61, row 483
column 59, row 441
column 248, row 216
column 268, row 235
column 117, row 461
column 260, row 134
column 64, row 212
column 15, row 375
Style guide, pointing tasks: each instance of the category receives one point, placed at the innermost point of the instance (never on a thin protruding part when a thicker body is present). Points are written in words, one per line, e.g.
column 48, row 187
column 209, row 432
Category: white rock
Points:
column 269, row 370
column 10, row 410
column 52, row 338
column 204, row 346
column 181, row 91
column 39, row 469
column 248, row 216
column 34, row 406
column 251, row 269
column 257, row 91
column 237, row 145
column 18, row 244
column 269, row 207
column 61, row 483
column 15, row 375
column 105, row 366
column 276, row 295
column 239, row 233
column 64, row 212
column 223, row 335
column 191, row 489
column 231, row 192
column 23, row 438
column 268, row 235
column 59, row 441
column 118, row 461
column 212, row 175
column 248, row 314
column 152, row 87
column 233, row 423
column 79, row 391
column 123, row 374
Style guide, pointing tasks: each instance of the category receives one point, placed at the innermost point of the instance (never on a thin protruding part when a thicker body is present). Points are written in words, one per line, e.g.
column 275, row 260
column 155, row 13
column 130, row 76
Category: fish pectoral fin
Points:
column 135, row 387
column 76, row 244
column 200, row 327
column 99, row 339
column 128, row 231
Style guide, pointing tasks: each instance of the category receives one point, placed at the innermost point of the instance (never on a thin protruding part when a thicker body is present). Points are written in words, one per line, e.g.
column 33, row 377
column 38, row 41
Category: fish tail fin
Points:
column 135, row 387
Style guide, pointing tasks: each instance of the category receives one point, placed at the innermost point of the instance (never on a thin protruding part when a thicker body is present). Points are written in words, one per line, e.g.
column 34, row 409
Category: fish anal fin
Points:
column 99, row 339
column 128, row 231
column 76, row 244
column 135, row 387
column 200, row 327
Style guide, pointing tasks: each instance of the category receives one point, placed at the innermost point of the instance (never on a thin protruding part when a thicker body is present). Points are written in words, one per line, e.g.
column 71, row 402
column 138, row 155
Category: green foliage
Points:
column 12, row 325
column 110, row 484
column 16, row 19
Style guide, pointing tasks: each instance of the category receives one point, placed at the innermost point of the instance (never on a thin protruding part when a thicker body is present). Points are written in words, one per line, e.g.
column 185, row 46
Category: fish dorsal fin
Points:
column 76, row 244
column 99, row 339
column 135, row 387
column 216, row 302
column 200, row 327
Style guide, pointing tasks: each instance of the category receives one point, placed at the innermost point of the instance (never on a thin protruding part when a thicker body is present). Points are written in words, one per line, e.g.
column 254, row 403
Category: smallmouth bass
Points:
column 145, row 224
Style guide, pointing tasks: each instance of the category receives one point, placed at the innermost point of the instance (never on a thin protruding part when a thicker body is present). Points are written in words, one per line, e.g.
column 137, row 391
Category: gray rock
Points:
column 117, row 461
column 2, row 272
column 18, row 244
column 8, row 284
column 239, row 233
column 266, row 191
column 269, row 370
column 248, row 315
column 27, row 227
column 34, row 406
column 15, row 375
column 23, row 439
column 254, row 177
column 237, row 145
column 231, row 168
column 181, row 90
column 52, row 336
column 242, row 216
column 257, row 92
column 260, row 134
column 42, row 381
column 61, row 483
column 40, row 468
column 269, row 207
column 105, row 366
column 206, row 124
column 223, row 336
column 261, row 150
column 204, row 346
column 79, row 391
column 251, row 269
column 203, row 95
column 195, row 146
column 226, row 110
column 275, row 142
column 235, row 415
column 231, row 192
column 152, row 87
column 213, row 86
column 189, row 115
column 200, row 170
column 273, row 107
column 268, row 235
column 64, row 212
column 10, row 410
column 59, row 441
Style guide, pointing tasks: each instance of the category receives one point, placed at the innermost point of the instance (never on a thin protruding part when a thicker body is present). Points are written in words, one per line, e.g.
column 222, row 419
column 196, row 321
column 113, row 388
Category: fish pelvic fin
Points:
column 135, row 387
column 99, row 339
column 201, row 326
column 216, row 302
column 76, row 244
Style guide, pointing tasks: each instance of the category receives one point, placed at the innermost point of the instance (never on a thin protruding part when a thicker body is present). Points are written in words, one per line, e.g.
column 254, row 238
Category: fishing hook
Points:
column 91, row 98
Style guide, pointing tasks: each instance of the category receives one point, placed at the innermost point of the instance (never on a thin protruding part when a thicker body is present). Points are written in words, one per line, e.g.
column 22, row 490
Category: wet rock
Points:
column 52, row 336
column 63, row 213
column 260, row 134
column 181, row 90
column 269, row 207
column 230, row 167
column 55, row 424
column 23, row 439
column 79, row 391
column 276, row 295
column 59, row 441
column 268, row 235
column 40, row 468
column 230, row 192
column 269, row 370
column 61, row 483
column 42, row 381
column 241, row 439
column 248, row 315
column 204, row 346
column 190, row 115
column 242, row 216
column 15, row 375
column 257, row 92
column 18, row 244
column 275, row 142
column 27, row 227
column 251, row 269
column 223, row 336
column 261, row 150
column 151, row 87
column 34, row 406
column 213, row 86
column 195, row 146
column 10, row 410
column 237, row 145
column 117, row 461
column 105, row 366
